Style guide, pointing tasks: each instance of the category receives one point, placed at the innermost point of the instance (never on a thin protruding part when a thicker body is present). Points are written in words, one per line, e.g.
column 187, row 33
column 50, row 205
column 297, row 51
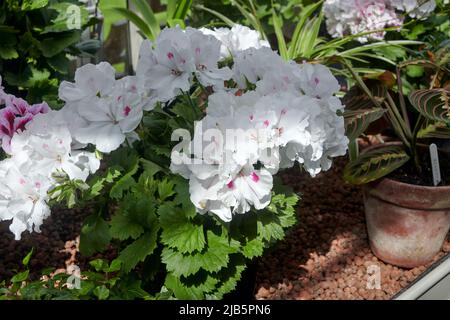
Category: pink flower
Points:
column 13, row 118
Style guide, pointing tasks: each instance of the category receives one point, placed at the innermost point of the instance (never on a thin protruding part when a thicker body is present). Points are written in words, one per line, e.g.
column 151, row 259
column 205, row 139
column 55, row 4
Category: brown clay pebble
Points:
column 329, row 246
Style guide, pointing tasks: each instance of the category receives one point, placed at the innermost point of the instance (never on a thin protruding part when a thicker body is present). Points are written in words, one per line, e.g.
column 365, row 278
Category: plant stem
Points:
column 361, row 83
column 402, row 101
column 397, row 114
column 419, row 123
column 190, row 100
column 397, row 126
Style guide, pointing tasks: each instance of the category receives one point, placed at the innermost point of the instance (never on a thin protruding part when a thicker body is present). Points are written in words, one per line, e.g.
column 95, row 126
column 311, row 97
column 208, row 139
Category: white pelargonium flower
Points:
column 45, row 148
column 110, row 120
column 90, row 81
column 173, row 71
column 23, row 199
column 291, row 116
column 238, row 38
column 206, row 50
column 316, row 80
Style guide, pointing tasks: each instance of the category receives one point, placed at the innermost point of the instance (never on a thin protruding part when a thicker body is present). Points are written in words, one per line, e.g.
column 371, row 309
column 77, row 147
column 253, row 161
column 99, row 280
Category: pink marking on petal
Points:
column 316, row 81
column 254, row 177
column 119, row 98
column 197, row 51
column 22, row 181
column 170, row 55
column 45, row 146
column 230, row 184
column 126, row 111
column 37, row 184
column 283, row 111
column 251, row 117
column 266, row 123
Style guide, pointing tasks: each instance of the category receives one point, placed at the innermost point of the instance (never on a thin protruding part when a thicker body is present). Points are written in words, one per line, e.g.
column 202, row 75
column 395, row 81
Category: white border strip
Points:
column 427, row 281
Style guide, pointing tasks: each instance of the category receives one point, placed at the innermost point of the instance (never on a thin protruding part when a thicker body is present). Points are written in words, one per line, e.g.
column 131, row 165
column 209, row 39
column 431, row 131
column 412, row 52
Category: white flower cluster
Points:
column 236, row 39
column 38, row 151
column 44, row 145
column 291, row 115
column 344, row 17
column 101, row 110
column 414, row 8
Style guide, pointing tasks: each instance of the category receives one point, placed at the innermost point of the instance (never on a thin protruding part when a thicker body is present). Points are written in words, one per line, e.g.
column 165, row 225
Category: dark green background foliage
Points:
column 34, row 42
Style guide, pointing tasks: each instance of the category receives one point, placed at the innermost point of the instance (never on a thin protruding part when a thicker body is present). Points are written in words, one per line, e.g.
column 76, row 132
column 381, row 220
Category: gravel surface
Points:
column 55, row 247
column 327, row 255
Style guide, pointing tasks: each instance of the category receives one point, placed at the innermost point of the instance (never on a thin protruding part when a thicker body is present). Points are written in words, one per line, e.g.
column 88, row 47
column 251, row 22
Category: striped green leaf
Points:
column 375, row 164
column 357, row 121
column 436, row 130
column 357, row 99
column 433, row 104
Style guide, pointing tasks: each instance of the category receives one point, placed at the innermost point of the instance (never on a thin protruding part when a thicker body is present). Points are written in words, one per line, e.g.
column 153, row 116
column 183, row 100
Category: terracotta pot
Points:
column 407, row 224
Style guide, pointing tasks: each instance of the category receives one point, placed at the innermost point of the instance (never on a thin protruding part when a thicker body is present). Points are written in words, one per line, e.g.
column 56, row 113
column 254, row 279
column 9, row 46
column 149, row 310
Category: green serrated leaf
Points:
column 213, row 259
column 94, row 236
column 125, row 182
column 138, row 250
column 269, row 227
column 182, row 291
column 230, row 282
column 178, row 231
column 123, row 227
column 253, row 248
column 165, row 189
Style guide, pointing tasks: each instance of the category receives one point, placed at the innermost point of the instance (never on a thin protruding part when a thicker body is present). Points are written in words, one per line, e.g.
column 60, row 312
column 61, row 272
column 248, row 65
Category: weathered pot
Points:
column 406, row 223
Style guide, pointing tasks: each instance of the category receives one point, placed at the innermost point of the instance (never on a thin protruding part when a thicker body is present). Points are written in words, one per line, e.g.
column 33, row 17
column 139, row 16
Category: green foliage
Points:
column 106, row 282
column 94, row 236
column 147, row 21
column 375, row 164
column 433, row 104
column 35, row 40
column 372, row 99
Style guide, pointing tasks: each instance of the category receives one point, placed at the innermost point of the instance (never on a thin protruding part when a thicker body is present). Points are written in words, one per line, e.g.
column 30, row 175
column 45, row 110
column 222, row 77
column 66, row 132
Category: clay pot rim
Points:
column 405, row 184
column 414, row 186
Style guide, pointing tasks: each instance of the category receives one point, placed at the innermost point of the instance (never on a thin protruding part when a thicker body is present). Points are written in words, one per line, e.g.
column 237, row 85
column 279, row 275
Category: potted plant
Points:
column 407, row 213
